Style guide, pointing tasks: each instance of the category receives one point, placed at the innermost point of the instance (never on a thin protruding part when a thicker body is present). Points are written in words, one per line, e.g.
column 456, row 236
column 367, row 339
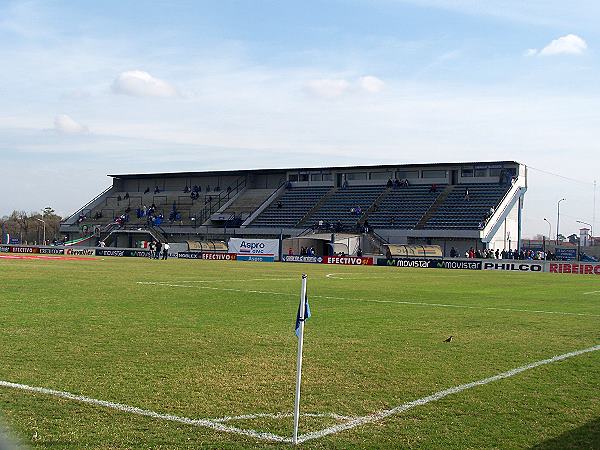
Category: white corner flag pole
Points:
column 299, row 362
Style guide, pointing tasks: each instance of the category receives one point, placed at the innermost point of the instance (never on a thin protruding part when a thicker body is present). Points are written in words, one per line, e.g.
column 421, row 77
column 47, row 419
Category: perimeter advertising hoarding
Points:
column 574, row 268
column 24, row 249
column 257, row 250
column 302, row 259
column 120, row 253
column 426, row 263
column 348, row 260
column 214, row 256
column 513, row 266
column 54, row 251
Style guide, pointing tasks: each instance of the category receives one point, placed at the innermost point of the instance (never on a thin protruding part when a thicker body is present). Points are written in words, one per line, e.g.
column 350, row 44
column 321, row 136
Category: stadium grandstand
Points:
column 460, row 205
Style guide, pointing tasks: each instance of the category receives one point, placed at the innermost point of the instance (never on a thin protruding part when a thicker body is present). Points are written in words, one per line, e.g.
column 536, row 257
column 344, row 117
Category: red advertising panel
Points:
column 348, row 260
column 575, row 268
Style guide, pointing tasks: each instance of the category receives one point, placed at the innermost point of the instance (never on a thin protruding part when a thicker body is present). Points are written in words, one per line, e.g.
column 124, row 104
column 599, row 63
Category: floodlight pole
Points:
column 299, row 360
column 558, row 218
column 44, row 223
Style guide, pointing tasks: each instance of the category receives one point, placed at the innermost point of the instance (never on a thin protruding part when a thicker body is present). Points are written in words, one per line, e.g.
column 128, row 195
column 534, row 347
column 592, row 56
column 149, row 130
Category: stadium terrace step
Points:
column 290, row 207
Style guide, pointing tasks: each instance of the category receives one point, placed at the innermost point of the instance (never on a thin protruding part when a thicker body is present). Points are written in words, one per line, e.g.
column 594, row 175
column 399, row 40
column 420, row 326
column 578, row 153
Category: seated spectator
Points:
column 126, row 195
column 186, row 189
column 279, row 204
column 467, row 197
column 147, row 190
column 156, row 190
column 119, row 198
column 433, row 188
column 389, row 183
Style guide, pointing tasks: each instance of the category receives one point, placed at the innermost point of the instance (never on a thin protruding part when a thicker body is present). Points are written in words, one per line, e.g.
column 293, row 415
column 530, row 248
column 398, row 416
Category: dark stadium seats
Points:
column 291, row 207
column 404, row 207
column 338, row 206
column 460, row 211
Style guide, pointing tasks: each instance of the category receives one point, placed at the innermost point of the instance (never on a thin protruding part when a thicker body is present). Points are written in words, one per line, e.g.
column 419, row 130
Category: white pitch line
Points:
column 280, row 416
column 593, row 292
column 215, row 425
column 369, row 300
column 437, row 396
column 239, row 279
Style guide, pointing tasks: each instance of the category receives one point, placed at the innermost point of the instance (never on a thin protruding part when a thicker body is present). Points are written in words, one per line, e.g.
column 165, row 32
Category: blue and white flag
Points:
column 306, row 315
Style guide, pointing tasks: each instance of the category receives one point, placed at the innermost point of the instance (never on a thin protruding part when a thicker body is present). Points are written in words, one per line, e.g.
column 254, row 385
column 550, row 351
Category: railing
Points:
column 214, row 204
column 69, row 221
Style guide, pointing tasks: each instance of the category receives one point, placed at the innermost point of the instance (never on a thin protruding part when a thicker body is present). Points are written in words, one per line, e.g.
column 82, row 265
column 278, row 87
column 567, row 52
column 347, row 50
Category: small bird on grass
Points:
column 449, row 339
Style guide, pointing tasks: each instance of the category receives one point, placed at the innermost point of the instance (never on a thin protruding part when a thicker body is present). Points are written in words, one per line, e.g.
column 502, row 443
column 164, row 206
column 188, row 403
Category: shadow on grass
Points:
column 585, row 437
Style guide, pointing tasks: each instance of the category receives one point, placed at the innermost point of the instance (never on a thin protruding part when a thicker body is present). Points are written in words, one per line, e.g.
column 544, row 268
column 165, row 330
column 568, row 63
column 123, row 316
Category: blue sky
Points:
column 91, row 88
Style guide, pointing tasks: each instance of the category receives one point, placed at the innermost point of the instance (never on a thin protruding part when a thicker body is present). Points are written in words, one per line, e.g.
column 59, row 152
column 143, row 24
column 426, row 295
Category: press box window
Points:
column 467, row 173
column 481, row 172
column 293, row 177
column 406, row 174
column 356, row 176
column 434, row 174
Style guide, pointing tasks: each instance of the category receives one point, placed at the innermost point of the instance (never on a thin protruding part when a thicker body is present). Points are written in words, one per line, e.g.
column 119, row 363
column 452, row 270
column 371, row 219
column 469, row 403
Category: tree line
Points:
column 29, row 228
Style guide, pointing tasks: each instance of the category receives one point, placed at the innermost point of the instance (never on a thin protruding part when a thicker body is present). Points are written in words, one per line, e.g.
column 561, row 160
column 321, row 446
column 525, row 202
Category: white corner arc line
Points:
column 438, row 396
column 145, row 412
column 218, row 424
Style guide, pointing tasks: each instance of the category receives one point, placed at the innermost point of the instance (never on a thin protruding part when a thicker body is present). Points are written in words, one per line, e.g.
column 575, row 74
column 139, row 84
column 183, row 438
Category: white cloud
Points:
column 570, row 44
column 371, row 84
column 141, row 84
column 328, row 88
column 65, row 124
column 531, row 52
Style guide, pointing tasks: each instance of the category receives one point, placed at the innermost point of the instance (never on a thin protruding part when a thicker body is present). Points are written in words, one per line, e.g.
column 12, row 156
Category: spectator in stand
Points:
column 147, row 190
column 279, row 204
column 126, row 195
column 433, row 188
column 471, row 253
column 467, row 254
column 156, row 189
column 119, row 198
column 359, row 252
column 467, row 196
column 290, row 251
column 497, row 254
column 453, row 253
column 389, row 183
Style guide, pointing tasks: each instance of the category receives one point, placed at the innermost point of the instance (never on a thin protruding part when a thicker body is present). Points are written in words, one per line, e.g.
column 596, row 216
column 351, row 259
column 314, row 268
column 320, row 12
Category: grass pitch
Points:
column 209, row 339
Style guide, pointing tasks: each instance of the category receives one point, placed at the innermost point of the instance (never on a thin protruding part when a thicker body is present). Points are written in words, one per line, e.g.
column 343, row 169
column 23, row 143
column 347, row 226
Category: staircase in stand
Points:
column 374, row 206
column 434, row 206
column 315, row 208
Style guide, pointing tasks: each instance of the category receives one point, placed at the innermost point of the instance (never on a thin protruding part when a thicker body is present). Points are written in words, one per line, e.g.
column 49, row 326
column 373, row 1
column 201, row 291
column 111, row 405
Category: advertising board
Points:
column 348, row 260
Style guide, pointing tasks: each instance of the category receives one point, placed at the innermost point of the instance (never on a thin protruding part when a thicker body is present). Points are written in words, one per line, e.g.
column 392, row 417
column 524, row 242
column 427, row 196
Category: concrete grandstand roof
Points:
column 287, row 169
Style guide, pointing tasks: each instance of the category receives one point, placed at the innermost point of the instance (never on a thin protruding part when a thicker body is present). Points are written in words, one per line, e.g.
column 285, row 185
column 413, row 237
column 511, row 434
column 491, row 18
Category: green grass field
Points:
column 205, row 340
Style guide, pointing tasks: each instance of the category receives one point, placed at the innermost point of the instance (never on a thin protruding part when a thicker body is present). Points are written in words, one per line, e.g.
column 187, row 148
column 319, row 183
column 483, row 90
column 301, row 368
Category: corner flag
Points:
column 306, row 314
column 301, row 316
